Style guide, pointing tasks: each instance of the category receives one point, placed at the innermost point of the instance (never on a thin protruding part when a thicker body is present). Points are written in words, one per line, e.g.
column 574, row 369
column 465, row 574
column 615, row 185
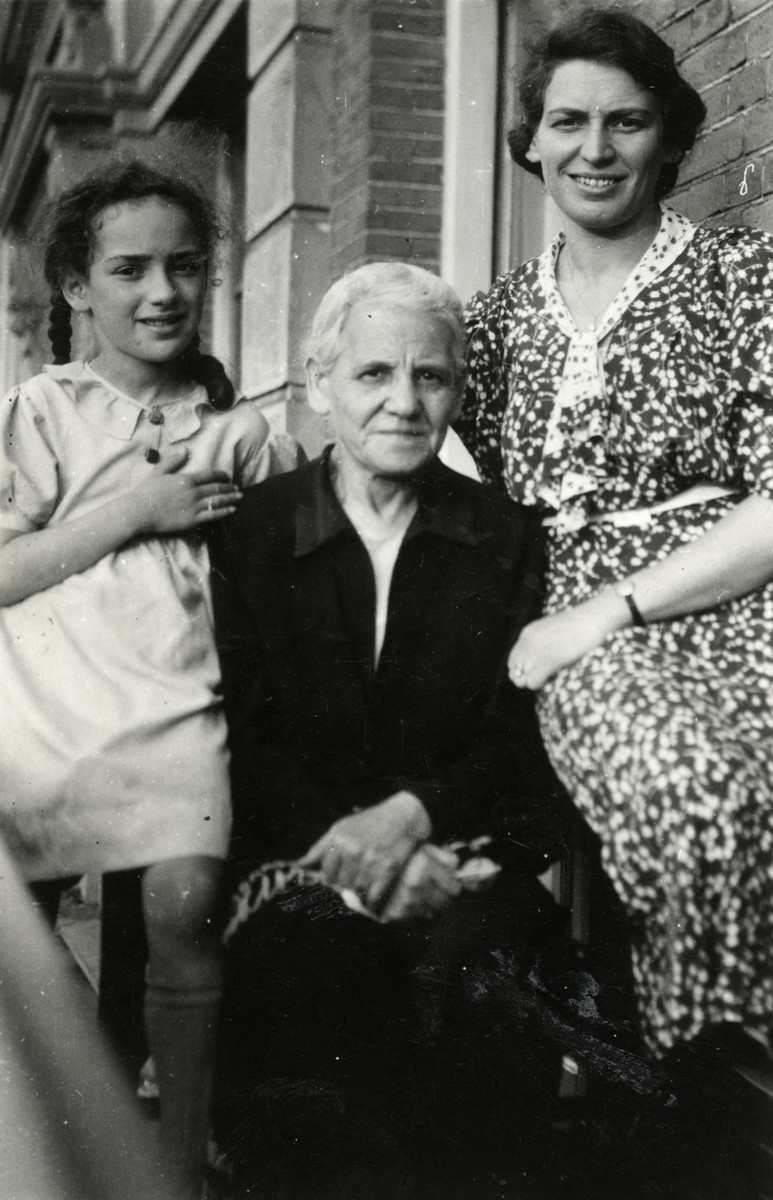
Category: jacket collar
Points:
column 444, row 508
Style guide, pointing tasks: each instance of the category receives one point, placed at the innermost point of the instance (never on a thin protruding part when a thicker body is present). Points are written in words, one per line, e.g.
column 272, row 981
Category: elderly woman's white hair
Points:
column 402, row 285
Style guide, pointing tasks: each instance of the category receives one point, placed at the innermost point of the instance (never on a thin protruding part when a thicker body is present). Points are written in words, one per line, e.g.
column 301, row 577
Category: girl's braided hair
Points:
column 71, row 240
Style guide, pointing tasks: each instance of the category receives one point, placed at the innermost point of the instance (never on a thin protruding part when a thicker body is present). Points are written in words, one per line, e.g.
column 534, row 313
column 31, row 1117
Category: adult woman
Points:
column 621, row 382
column 363, row 737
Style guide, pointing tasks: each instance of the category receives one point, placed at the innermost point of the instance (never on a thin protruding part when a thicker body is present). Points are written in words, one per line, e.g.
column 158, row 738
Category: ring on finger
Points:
column 209, row 505
column 518, row 672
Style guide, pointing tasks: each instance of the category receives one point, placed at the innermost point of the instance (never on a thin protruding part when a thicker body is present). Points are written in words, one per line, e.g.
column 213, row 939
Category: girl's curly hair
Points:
column 70, row 241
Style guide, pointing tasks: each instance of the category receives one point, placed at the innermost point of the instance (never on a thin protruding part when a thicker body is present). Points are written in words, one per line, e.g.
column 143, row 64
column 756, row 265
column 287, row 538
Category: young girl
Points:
column 113, row 750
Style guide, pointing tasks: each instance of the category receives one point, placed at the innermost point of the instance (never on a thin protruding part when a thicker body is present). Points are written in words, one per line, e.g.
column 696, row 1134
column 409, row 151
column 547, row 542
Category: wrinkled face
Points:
column 146, row 284
column 601, row 146
column 392, row 391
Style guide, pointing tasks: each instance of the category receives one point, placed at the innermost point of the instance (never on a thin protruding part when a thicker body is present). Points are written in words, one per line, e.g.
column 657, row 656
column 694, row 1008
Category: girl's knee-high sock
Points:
column 182, row 1032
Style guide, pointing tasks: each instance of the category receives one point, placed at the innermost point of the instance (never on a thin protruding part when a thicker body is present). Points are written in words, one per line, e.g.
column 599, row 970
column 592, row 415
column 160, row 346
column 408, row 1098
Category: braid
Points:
column 60, row 328
column 209, row 371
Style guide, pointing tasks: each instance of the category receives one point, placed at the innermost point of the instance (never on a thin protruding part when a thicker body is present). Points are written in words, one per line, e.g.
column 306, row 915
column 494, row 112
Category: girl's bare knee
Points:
column 182, row 903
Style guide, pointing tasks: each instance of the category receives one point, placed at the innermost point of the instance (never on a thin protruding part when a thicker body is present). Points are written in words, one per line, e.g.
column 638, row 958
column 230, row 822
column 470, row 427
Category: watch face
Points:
column 625, row 588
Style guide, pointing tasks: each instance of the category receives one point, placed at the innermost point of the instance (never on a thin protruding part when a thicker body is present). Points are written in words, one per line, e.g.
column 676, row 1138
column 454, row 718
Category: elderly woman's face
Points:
column 601, row 146
column 392, row 391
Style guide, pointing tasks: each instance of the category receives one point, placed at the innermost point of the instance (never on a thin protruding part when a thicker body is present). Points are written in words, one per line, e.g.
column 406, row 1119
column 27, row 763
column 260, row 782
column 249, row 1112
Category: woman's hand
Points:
column 732, row 558
column 368, row 851
column 169, row 501
column 174, row 501
column 551, row 643
column 427, row 885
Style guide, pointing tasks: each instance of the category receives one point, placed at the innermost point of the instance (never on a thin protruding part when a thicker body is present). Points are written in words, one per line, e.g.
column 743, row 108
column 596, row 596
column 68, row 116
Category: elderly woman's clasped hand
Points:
column 381, row 854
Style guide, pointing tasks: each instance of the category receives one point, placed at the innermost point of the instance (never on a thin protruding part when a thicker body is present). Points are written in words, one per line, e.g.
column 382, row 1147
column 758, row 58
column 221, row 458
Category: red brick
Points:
column 377, row 171
column 716, row 57
column 387, row 70
column 760, row 216
column 679, row 36
column 747, row 86
column 429, row 7
column 411, row 172
column 413, row 99
column 742, row 8
column 758, row 127
column 397, row 18
column 389, row 220
column 709, row 18
column 407, row 244
column 411, row 148
column 701, row 199
column 659, row 12
column 429, row 198
column 389, row 141
column 723, row 218
column 715, row 150
column 759, row 33
column 426, row 124
column 367, row 247
column 400, row 45
column 716, row 98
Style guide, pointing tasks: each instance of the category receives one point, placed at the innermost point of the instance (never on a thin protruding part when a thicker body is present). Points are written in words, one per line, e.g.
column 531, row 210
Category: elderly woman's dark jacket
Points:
column 316, row 730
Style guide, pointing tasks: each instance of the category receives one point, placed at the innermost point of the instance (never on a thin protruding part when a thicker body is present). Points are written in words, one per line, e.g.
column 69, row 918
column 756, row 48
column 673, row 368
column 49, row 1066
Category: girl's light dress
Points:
column 113, row 746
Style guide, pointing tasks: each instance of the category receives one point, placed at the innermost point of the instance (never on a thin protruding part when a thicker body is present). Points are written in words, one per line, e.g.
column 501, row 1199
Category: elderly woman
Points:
column 365, row 605
column 621, row 385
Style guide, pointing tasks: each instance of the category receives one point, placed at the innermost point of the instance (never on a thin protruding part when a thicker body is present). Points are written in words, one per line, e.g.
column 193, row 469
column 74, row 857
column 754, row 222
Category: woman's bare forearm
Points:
column 733, row 558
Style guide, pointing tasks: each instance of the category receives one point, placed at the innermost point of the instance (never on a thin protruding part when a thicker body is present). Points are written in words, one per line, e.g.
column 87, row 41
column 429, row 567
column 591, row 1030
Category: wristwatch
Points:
column 624, row 589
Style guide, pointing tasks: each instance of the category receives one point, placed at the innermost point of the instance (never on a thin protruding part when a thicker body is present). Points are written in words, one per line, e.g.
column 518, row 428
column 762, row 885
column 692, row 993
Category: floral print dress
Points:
column 663, row 735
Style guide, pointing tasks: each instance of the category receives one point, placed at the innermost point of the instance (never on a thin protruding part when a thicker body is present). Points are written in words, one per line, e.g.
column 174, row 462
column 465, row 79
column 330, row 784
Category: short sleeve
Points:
column 29, row 480
column 485, row 396
column 260, row 452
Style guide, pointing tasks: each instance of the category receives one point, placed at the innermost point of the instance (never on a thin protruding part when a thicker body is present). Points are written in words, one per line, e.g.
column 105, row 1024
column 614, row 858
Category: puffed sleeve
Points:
column 29, row 481
column 752, row 429
column 259, row 451
column 485, row 395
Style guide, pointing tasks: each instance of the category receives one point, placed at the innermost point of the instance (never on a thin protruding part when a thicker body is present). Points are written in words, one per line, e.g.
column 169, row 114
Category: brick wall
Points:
column 725, row 48
column 388, row 140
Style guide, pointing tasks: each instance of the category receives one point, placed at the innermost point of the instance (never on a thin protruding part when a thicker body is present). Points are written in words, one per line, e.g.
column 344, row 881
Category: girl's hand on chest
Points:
column 173, row 500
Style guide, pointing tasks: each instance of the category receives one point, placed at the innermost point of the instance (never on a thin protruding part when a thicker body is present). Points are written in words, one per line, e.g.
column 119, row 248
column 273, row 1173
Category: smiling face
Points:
column 145, row 288
column 391, row 392
column 601, row 147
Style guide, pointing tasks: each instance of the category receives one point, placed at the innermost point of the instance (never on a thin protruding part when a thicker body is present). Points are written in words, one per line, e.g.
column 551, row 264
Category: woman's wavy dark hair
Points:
column 70, row 241
column 619, row 40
